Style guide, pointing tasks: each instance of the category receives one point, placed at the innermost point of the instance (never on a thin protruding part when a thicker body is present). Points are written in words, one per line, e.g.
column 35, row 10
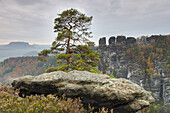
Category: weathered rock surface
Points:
column 114, row 60
column 98, row 90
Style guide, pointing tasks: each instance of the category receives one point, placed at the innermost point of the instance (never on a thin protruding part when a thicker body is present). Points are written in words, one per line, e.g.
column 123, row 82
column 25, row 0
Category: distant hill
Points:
column 19, row 49
column 21, row 66
column 19, row 45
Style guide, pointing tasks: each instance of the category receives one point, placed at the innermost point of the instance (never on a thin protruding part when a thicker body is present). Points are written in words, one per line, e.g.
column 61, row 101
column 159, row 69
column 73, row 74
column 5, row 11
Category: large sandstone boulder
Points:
column 98, row 90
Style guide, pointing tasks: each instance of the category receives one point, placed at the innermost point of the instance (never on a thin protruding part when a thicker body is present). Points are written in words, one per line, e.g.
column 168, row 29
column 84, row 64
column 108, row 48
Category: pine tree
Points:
column 73, row 33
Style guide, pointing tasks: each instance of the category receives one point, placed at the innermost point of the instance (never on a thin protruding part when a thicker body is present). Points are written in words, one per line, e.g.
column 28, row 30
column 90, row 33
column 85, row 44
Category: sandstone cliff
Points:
column 115, row 60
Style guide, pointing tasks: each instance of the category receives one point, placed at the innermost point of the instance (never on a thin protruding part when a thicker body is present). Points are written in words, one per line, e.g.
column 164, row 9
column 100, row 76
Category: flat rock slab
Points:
column 98, row 90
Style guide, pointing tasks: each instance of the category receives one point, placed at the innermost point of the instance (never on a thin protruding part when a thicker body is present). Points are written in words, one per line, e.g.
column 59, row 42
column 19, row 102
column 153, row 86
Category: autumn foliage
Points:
column 10, row 102
column 148, row 53
column 21, row 66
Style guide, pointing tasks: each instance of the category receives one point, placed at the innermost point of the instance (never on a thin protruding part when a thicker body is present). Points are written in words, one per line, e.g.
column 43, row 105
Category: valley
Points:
column 19, row 49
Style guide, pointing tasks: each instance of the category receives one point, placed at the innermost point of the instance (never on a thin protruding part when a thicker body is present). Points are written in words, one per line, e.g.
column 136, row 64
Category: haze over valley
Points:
column 18, row 49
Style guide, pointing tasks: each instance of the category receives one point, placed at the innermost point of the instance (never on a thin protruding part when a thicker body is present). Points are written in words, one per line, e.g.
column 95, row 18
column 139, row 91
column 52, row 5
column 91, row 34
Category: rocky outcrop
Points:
column 166, row 94
column 130, row 40
column 113, row 59
column 98, row 90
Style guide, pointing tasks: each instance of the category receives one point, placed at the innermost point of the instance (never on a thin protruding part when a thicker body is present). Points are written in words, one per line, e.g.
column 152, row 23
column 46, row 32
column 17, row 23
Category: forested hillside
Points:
column 145, row 61
column 20, row 66
column 152, row 52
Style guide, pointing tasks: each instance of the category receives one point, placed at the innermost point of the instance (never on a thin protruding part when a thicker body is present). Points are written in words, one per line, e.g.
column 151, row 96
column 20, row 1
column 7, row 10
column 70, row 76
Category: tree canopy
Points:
column 72, row 28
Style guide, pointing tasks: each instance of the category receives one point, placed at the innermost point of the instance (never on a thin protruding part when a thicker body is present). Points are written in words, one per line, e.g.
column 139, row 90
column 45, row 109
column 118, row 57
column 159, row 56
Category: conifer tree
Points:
column 72, row 28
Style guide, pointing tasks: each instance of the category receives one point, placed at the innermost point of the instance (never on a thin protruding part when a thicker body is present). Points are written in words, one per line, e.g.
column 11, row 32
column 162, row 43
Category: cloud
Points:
column 32, row 20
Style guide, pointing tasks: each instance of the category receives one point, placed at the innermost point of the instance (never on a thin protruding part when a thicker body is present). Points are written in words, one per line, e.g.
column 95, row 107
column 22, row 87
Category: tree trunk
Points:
column 68, row 52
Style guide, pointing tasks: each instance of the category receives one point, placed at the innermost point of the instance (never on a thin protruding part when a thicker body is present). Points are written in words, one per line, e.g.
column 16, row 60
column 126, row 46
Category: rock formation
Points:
column 98, row 90
column 113, row 56
column 113, row 59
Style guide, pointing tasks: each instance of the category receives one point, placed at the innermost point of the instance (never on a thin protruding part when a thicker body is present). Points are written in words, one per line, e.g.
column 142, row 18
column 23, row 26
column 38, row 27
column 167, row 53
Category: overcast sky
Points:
column 32, row 20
